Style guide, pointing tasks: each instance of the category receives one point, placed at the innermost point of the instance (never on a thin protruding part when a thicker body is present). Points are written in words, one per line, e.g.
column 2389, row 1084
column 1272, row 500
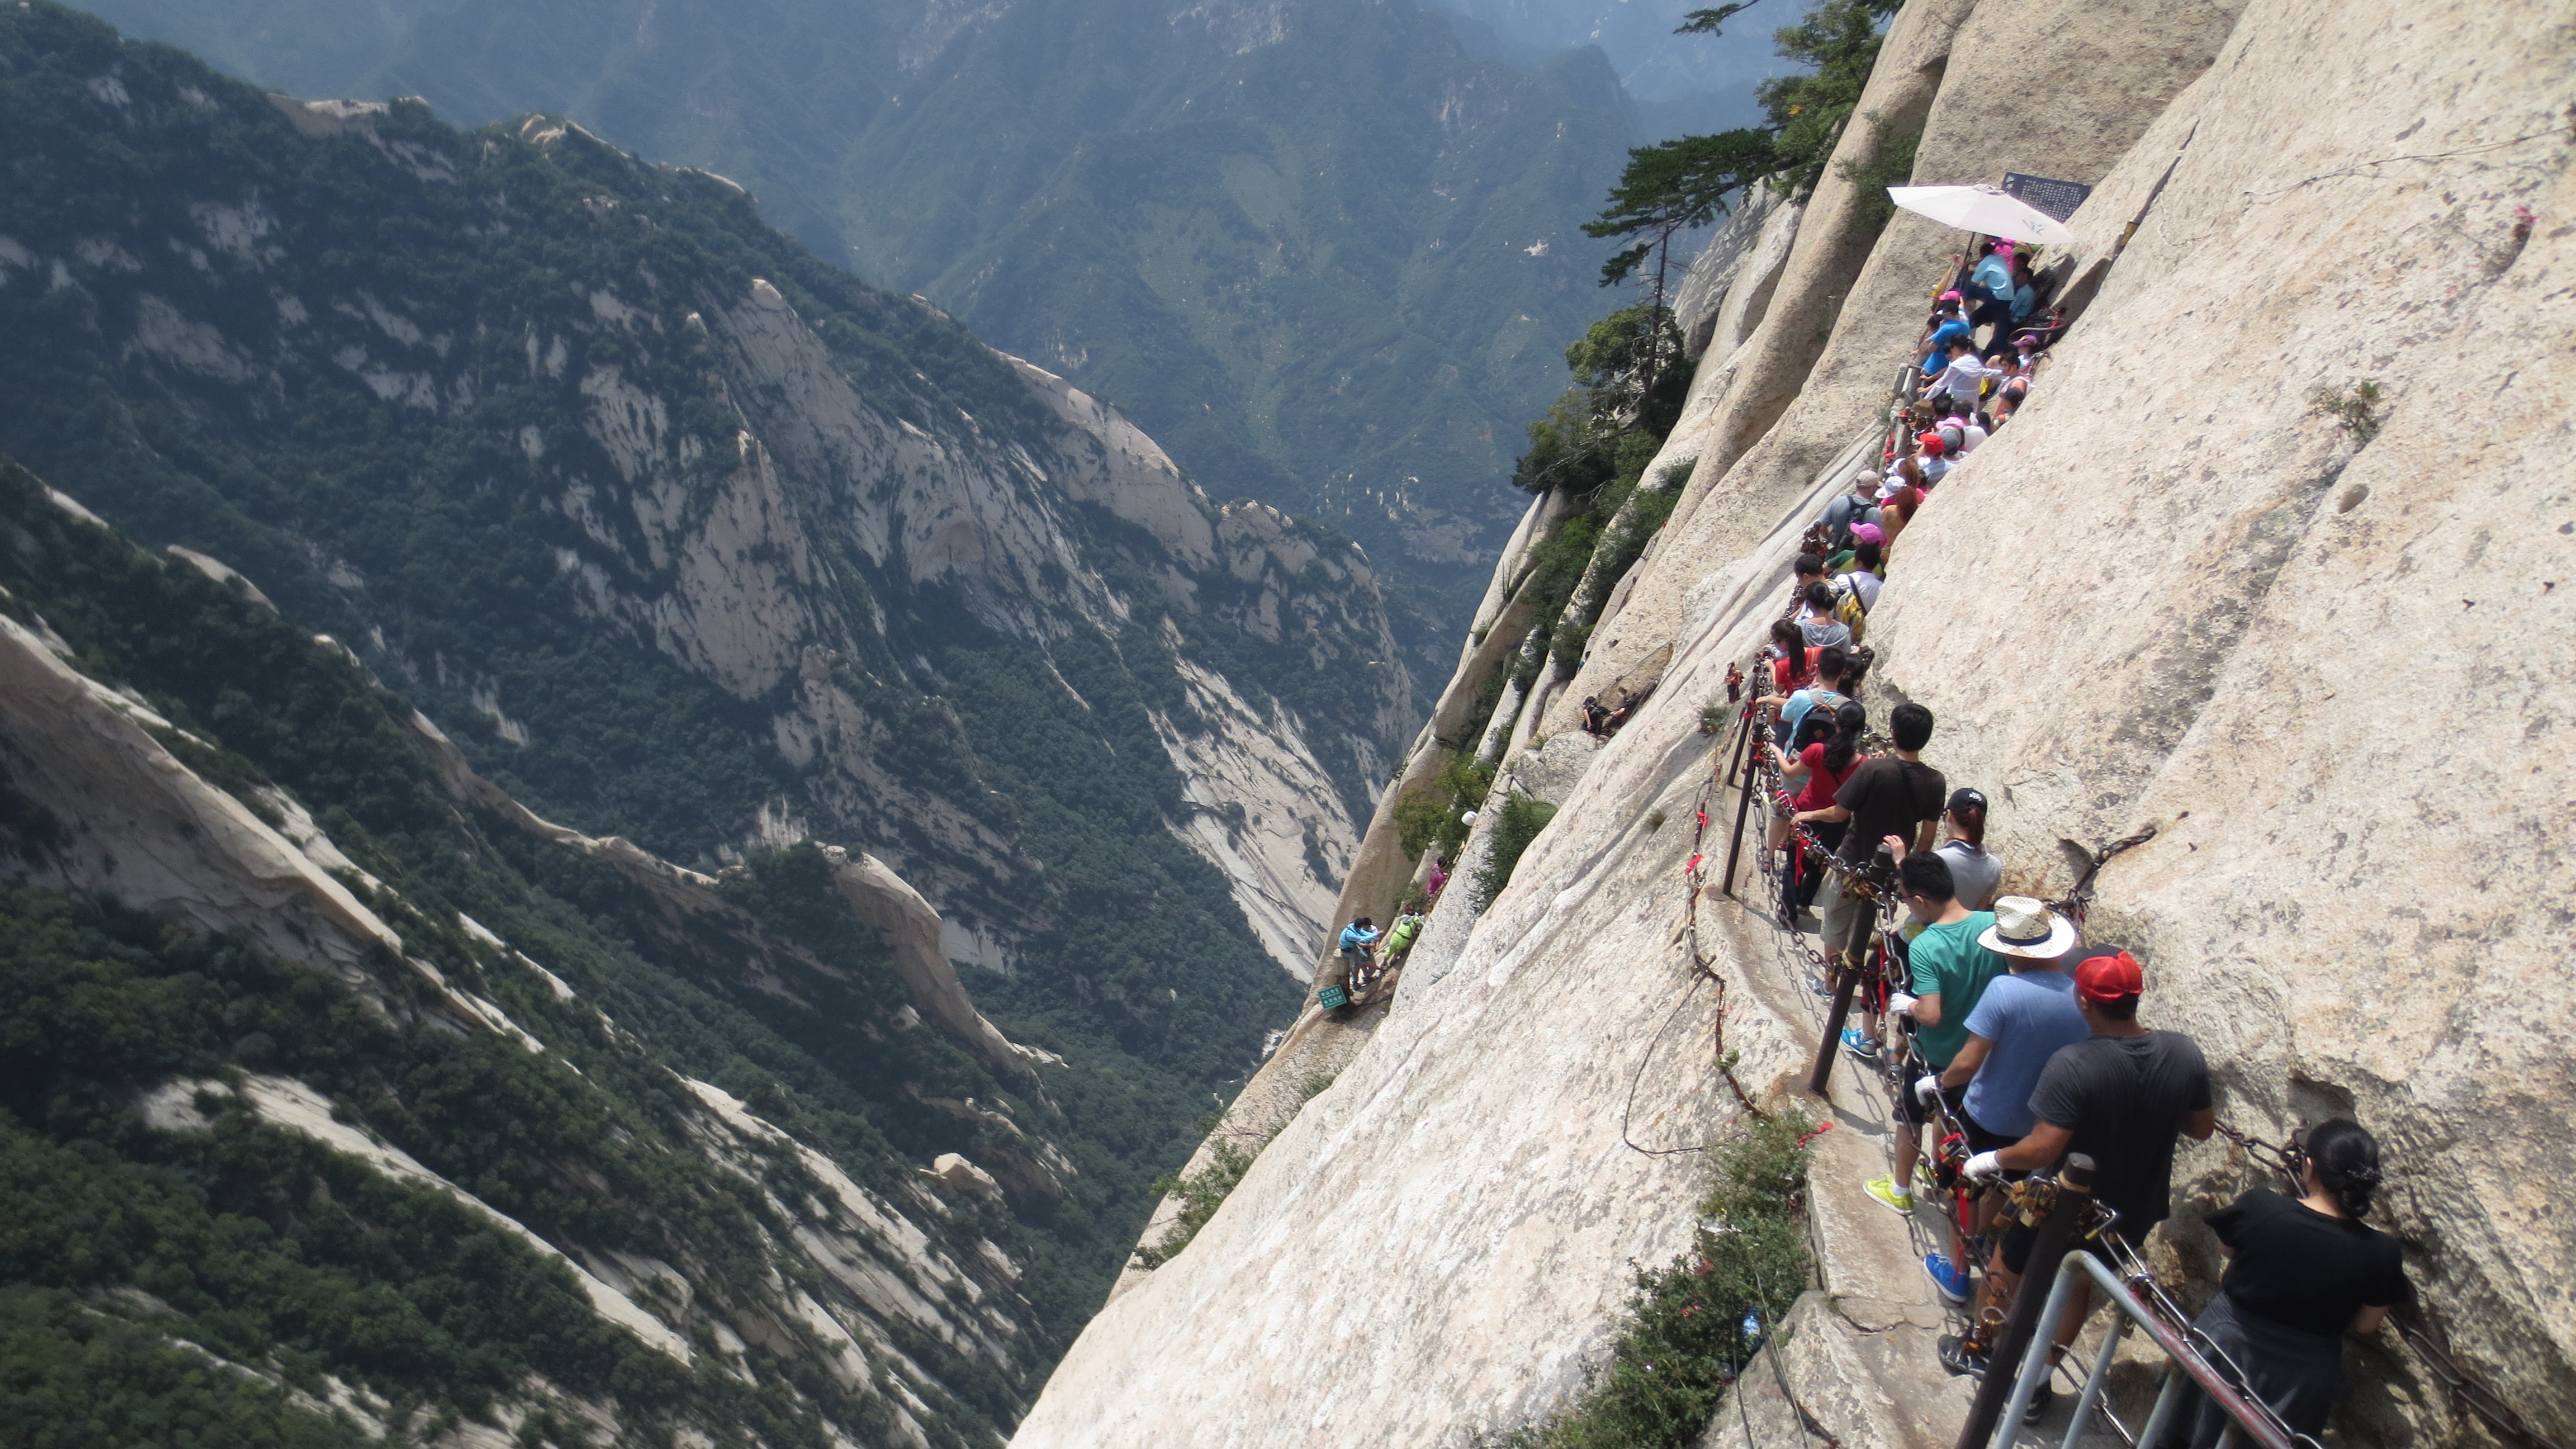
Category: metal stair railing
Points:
column 2251, row 1421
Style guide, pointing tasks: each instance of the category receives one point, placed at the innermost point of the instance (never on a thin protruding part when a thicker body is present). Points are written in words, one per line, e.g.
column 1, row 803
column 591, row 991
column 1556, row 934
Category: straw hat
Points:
column 2028, row 928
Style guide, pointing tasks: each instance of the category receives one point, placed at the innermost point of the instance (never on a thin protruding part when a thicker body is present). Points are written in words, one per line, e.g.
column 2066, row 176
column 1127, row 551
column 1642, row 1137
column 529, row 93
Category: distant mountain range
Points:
column 1679, row 83
column 1326, row 252
column 672, row 533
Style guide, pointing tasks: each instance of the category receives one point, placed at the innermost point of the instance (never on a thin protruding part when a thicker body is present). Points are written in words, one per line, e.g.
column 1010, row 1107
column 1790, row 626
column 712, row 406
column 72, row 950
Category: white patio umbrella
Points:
column 1983, row 209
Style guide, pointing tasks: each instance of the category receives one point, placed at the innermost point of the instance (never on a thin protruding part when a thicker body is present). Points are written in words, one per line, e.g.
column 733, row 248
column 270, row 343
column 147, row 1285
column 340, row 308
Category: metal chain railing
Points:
column 1803, row 961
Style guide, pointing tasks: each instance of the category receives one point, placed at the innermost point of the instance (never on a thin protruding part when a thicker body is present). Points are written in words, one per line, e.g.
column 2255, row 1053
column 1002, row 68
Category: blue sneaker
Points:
column 1858, row 1045
column 1948, row 1277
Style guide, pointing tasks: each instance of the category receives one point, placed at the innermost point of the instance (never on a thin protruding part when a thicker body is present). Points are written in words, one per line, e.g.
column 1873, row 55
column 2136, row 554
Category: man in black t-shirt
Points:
column 1895, row 795
column 2122, row 1097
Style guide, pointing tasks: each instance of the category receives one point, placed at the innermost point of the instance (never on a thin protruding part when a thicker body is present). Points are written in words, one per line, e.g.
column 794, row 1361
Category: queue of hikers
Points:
column 1367, row 955
column 2015, row 1041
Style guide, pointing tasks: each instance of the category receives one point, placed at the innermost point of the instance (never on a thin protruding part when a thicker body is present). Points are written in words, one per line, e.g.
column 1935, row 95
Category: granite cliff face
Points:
column 2180, row 592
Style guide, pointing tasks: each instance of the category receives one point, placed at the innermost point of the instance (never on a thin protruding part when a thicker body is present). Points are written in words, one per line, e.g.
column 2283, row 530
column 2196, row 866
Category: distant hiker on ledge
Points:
column 1356, row 939
column 1439, row 877
column 1400, row 934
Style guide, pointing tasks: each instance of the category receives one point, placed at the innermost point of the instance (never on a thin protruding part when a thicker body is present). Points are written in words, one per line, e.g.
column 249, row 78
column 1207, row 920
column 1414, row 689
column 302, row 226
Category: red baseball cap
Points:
column 2109, row 978
column 1932, row 444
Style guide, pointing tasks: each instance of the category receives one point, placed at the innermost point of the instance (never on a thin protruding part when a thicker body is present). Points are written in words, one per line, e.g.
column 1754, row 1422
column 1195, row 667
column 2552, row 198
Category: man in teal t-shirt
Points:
column 1949, row 971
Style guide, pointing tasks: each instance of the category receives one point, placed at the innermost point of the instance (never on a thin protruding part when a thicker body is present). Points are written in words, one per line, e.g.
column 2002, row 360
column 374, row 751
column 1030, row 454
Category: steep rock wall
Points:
column 2342, row 907
column 1854, row 297
column 2329, row 669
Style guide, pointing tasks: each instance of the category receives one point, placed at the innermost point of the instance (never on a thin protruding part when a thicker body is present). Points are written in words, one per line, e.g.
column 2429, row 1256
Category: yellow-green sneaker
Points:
column 1884, row 1189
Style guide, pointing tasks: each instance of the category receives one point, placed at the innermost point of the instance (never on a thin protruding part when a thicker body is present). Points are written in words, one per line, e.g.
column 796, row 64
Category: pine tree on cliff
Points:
column 1667, row 189
column 1805, row 114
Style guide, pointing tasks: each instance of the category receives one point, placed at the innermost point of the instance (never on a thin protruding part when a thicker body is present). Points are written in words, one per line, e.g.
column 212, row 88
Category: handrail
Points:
column 2250, row 1416
column 1749, row 758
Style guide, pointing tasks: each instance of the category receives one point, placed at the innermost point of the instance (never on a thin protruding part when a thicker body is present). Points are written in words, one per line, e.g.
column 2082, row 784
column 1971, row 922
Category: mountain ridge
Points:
column 683, row 537
column 1322, row 252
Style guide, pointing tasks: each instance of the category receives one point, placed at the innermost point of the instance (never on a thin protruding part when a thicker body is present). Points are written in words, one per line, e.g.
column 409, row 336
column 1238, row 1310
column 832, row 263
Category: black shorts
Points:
column 1981, row 1140
column 2019, row 1240
column 1910, row 1109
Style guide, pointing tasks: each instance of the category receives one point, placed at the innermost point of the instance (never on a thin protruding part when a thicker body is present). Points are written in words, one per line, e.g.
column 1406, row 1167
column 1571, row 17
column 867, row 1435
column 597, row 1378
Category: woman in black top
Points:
column 2301, row 1274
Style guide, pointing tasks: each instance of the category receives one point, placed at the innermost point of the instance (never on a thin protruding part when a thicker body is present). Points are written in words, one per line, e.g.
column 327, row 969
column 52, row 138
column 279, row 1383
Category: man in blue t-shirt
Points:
column 2017, row 1026
column 1937, row 347
column 1957, row 981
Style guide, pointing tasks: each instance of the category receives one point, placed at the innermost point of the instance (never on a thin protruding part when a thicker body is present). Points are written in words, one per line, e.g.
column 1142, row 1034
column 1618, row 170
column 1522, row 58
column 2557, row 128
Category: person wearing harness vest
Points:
column 1400, row 935
column 1860, row 505
column 1821, row 765
column 1862, row 580
column 1832, row 663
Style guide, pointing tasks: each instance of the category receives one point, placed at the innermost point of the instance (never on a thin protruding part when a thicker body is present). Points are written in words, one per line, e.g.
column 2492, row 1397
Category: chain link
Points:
column 1805, row 961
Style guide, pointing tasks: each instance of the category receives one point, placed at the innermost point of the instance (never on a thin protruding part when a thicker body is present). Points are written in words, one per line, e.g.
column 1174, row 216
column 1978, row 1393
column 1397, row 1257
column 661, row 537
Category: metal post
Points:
column 1744, row 731
column 2248, row 1421
column 1834, row 1019
column 1743, row 808
column 2169, row 1397
column 2032, row 1371
column 2093, row 1382
column 2056, row 1235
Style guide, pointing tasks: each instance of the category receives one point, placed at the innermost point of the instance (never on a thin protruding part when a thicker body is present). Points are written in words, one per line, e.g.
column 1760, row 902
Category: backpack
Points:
column 1853, row 613
column 1821, row 704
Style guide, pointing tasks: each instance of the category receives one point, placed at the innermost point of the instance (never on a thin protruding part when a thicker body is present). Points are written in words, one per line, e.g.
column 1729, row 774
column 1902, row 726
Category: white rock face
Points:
column 912, row 929
column 737, row 591
column 1734, row 273
column 142, row 827
column 1253, row 814
column 2172, row 594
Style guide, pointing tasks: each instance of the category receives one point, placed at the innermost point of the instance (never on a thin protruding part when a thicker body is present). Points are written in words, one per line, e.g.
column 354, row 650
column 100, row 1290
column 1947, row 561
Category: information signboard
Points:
column 2057, row 198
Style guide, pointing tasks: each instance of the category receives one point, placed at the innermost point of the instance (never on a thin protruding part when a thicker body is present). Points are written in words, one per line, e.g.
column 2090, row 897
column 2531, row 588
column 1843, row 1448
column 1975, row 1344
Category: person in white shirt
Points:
column 1861, row 580
column 1964, row 378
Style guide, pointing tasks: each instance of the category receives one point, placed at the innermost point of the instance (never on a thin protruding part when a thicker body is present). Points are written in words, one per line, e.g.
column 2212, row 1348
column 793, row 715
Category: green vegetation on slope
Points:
column 273, row 420
column 1681, row 1342
column 599, row 1159
column 1596, row 443
column 1515, row 828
